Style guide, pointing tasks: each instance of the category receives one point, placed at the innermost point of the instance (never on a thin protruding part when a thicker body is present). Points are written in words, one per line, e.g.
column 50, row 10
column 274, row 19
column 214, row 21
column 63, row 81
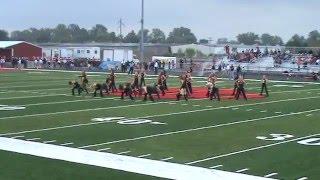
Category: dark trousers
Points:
column 128, row 92
column 142, row 82
column 112, row 87
column 264, row 87
column 241, row 91
column 189, row 88
column 215, row 93
column 155, row 70
column 130, row 70
column 78, row 88
column 95, row 92
column 150, row 96
column 234, row 89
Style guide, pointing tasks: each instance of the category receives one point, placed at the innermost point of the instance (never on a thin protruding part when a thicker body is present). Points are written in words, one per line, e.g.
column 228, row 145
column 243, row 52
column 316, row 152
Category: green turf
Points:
column 196, row 130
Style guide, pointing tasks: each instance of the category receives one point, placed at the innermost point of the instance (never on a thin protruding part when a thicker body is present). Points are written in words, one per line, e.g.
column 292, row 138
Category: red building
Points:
column 19, row 49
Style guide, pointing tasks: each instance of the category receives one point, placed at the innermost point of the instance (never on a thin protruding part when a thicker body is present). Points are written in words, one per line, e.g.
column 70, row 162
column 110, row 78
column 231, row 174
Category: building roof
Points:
column 6, row 44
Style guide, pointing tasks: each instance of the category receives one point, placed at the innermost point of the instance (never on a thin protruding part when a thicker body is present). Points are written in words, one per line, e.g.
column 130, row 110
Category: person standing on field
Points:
column 264, row 85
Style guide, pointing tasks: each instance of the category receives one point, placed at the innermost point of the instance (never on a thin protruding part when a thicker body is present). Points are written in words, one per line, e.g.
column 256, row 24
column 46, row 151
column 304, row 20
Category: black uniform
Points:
column 235, row 85
column 214, row 92
column 183, row 91
column 264, row 86
column 142, row 79
column 75, row 85
column 240, row 89
column 126, row 90
column 112, row 86
column 149, row 91
column 98, row 87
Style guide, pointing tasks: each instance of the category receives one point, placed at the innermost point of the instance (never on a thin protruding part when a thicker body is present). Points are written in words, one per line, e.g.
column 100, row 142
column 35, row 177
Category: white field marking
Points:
column 159, row 115
column 8, row 87
column 208, row 106
column 242, row 170
column 136, row 165
column 278, row 112
column 66, row 144
column 63, row 102
column 263, row 111
column 249, row 109
column 308, row 92
column 269, row 175
column 235, row 108
column 184, row 104
column 16, row 137
column 125, row 152
column 197, row 129
column 251, row 149
column 104, row 149
column 280, row 92
column 25, row 97
column 217, row 166
column 145, row 155
column 167, row 159
column 303, row 178
column 52, row 141
column 309, row 115
column 196, row 105
column 33, row 139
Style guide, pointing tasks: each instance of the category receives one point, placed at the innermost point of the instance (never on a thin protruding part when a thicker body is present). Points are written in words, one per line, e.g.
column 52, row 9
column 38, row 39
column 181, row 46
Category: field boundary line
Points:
column 197, row 129
column 251, row 149
column 26, row 97
column 159, row 115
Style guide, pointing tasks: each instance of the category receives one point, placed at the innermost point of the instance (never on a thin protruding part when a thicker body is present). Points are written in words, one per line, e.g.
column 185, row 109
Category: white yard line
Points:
column 303, row 178
column 25, row 97
column 66, row 144
column 167, row 159
column 270, row 175
column 33, row 139
column 104, row 149
column 217, row 166
column 251, row 149
column 52, row 141
column 159, row 115
column 142, row 166
column 144, row 155
column 197, row 129
column 16, row 137
column 125, row 152
column 242, row 170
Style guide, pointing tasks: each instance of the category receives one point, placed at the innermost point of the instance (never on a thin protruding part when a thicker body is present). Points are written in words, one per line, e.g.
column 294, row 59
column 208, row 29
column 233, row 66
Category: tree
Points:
column 157, row 36
column 181, row 35
column 99, row 33
column 146, row 37
column 180, row 53
column 190, row 52
column 222, row 41
column 44, row 35
column 267, row 39
column 248, row 38
column 313, row 38
column 61, row 34
column 199, row 54
column 204, row 41
column 297, row 41
column 131, row 37
column 4, row 35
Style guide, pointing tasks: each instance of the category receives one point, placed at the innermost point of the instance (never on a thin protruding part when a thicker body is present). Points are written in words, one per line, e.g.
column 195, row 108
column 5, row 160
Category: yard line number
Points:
column 282, row 137
column 131, row 121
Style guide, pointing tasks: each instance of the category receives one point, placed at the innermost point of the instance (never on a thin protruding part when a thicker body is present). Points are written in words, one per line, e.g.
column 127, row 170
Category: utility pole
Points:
column 142, row 33
column 120, row 23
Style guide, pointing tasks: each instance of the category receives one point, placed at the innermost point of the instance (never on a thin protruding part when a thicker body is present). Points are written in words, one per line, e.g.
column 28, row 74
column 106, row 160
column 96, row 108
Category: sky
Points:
column 206, row 18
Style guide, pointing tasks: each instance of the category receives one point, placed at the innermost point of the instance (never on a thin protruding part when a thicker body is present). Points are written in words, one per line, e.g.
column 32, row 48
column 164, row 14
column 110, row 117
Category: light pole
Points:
column 142, row 32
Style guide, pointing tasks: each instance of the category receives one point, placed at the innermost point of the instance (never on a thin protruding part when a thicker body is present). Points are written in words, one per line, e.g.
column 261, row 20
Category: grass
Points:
column 203, row 130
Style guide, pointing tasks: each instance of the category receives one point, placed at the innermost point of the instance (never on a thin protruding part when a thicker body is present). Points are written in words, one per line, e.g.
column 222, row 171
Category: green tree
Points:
column 204, row 41
column 180, row 53
column 44, row 35
column 297, row 41
column 313, row 38
column 222, row 41
column 267, row 39
column 131, row 37
column 146, row 37
column 248, row 38
column 199, row 54
column 4, row 35
column 61, row 34
column 181, row 35
column 157, row 36
column 99, row 33
column 190, row 52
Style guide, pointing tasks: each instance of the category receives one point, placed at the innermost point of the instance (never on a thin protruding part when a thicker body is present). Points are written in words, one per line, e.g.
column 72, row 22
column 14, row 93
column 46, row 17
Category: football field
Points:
column 46, row 133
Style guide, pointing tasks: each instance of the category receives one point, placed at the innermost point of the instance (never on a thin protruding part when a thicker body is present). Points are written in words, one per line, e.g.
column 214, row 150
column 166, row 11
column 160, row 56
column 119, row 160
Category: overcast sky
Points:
column 206, row 18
